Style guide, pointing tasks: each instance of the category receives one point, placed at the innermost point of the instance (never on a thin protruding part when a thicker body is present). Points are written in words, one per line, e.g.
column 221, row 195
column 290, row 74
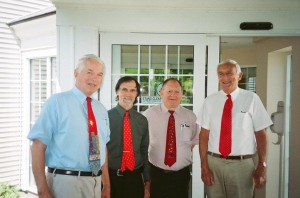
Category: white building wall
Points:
column 38, row 40
column 11, row 89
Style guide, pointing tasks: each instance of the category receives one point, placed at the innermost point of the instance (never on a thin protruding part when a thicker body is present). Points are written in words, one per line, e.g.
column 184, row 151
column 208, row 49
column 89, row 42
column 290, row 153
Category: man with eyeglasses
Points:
column 128, row 146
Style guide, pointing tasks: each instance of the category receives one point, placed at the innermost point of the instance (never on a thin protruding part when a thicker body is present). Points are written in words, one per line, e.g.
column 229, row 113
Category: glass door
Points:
column 152, row 58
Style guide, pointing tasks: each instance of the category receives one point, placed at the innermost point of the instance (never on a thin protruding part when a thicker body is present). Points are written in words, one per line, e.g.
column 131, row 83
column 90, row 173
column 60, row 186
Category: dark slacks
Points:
column 126, row 184
column 169, row 184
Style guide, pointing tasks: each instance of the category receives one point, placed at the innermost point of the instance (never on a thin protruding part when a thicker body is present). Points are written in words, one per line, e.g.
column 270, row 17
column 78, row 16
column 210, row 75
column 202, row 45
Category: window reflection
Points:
column 151, row 65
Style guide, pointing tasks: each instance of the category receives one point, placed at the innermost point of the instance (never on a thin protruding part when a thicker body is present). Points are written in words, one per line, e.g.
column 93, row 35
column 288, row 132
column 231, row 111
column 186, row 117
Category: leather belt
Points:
column 235, row 157
column 74, row 173
column 118, row 172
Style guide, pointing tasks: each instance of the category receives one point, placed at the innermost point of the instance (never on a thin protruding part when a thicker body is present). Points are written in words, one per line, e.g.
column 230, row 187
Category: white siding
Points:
column 11, row 88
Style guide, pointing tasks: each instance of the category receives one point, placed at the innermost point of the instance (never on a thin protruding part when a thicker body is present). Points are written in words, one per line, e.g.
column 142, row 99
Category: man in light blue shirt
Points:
column 61, row 139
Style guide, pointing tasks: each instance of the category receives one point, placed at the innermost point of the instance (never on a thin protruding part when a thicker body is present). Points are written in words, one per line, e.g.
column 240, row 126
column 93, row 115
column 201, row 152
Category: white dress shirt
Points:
column 248, row 116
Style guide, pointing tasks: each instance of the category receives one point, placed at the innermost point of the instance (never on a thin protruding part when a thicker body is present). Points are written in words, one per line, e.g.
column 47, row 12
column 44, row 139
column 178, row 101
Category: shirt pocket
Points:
column 186, row 133
column 243, row 120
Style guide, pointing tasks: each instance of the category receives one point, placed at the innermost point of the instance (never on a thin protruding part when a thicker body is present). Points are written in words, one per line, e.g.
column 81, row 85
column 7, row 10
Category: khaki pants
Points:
column 233, row 178
column 65, row 186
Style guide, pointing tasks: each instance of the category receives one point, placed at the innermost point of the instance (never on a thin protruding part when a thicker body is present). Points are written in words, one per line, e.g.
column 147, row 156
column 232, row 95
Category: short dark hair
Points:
column 128, row 79
column 171, row 79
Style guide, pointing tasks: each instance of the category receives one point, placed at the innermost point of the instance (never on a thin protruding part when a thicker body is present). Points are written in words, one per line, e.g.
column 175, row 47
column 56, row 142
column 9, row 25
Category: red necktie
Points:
column 170, row 153
column 94, row 151
column 128, row 161
column 225, row 135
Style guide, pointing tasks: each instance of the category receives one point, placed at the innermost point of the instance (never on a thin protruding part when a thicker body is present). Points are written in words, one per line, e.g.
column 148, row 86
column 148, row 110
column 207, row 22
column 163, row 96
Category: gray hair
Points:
column 82, row 61
column 231, row 62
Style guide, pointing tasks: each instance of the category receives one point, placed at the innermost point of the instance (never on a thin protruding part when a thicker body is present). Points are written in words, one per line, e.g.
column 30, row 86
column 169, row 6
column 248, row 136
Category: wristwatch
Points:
column 264, row 164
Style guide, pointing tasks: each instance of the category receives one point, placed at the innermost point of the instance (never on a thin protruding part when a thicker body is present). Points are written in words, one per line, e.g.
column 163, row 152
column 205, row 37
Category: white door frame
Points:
column 200, row 42
column 26, row 165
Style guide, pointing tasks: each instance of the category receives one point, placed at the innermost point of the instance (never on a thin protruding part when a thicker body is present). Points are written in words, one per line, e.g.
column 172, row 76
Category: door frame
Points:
column 202, row 61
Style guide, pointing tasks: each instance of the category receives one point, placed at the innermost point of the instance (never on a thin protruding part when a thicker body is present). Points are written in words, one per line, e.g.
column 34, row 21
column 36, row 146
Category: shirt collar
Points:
column 233, row 94
column 122, row 111
column 165, row 109
column 79, row 94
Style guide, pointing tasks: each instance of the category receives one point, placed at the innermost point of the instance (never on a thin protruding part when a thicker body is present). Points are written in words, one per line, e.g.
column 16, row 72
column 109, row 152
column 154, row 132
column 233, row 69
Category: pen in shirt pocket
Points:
column 183, row 126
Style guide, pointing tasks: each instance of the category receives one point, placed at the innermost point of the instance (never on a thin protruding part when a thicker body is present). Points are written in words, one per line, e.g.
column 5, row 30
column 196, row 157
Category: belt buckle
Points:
column 119, row 173
column 68, row 172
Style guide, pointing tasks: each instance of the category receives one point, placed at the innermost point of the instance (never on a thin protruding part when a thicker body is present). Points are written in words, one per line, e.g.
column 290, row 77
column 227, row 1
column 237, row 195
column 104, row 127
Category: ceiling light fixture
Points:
column 256, row 26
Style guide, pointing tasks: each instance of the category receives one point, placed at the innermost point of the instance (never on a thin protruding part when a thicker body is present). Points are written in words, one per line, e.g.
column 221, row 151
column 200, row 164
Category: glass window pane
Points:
column 35, row 91
column 186, row 60
column 144, row 54
column 155, row 85
column 34, row 70
column 43, row 91
column 248, row 80
column 187, row 85
column 188, row 107
column 158, row 57
column 43, row 66
column 35, row 111
column 173, row 59
column 131, row 71
column 151, row 65
column 144, row 81
column 53, row 76
column 129, row 59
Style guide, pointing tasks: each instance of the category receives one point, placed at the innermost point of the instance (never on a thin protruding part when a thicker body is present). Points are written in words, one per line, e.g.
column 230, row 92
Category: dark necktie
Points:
column 94, row 151
column 128, row 161
column 170, row 153
column 225, row 135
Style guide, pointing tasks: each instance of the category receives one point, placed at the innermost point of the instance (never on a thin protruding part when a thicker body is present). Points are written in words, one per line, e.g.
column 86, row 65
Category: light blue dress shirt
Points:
column 62, row 126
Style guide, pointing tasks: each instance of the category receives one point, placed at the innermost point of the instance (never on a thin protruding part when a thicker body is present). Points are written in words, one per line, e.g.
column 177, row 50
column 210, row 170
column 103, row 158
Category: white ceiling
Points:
column 237, row 42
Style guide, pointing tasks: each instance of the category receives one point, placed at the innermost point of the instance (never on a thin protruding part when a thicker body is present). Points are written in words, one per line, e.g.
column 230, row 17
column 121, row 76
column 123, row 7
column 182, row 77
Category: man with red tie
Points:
column 128, row 146
column 70, row 138
column 173, row 133
column 233, row 123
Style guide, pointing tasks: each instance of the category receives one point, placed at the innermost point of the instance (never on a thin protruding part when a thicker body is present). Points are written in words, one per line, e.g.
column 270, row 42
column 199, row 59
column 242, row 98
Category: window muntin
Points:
column 151, row 65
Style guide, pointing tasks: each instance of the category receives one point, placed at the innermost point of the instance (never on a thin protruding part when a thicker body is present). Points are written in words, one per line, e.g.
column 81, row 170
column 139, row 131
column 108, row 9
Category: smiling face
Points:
column 89, row 77
column 127, row 94
column 171, row 94
column 229, row 77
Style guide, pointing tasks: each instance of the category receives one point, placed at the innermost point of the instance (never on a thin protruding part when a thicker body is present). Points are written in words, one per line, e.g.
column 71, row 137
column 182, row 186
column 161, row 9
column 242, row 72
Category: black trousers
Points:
column 126, row 184
column 165, row 184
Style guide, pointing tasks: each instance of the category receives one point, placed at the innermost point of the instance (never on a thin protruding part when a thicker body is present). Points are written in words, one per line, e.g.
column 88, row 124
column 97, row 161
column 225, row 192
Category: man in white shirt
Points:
column 232, row 174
